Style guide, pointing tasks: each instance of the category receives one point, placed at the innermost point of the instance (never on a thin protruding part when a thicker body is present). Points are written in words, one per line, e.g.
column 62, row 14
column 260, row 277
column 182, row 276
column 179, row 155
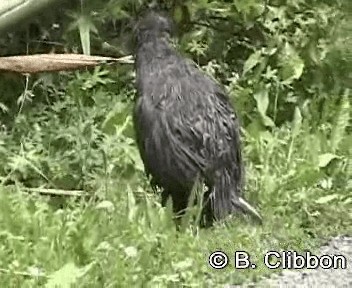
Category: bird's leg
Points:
column 179, row 203
column 207, row 213
column 164, row 197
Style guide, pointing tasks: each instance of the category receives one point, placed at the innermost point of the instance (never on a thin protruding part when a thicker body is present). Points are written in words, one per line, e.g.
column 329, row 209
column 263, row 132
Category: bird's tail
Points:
column 240, row 204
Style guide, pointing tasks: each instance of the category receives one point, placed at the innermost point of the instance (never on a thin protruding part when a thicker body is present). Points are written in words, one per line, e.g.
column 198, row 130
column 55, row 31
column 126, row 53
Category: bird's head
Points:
column 155, row 24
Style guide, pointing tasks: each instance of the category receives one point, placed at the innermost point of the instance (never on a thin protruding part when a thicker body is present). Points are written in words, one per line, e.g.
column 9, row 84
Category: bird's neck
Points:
column 151, row 48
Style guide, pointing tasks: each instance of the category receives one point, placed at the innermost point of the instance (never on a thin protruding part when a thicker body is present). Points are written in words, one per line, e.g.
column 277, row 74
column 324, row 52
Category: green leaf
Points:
column 341, row 121
column 181, row 14
column 297, row 122
column 325, row 159
column 67, row 276
column 131, row 251
column 106, row 205
column 267, row 121
column 85, row 26
column 291, row 64
column 183, row 265
column 116, row 117
column 137, row 161
column 262, row 99
column 252, row 61
column 327, row 199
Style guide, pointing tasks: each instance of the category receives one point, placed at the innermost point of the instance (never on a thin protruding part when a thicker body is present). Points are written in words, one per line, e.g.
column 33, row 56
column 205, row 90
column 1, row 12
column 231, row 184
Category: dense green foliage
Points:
column 286, row 66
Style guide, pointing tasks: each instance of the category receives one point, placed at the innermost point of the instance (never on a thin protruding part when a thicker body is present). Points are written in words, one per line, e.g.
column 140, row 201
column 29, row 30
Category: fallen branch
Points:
column 56, row 62
column 25, row 274
column 56, row 192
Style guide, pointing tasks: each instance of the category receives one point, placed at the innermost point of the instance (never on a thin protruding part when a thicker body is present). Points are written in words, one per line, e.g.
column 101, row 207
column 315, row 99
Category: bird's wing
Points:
column 142, row 122
column 205, row 128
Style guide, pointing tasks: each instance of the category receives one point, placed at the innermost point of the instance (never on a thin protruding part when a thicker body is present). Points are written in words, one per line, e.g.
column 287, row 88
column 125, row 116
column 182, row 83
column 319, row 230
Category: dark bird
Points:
column 185, row 125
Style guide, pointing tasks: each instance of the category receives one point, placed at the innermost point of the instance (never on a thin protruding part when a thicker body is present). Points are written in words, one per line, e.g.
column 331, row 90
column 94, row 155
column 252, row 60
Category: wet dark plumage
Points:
column 185, row 125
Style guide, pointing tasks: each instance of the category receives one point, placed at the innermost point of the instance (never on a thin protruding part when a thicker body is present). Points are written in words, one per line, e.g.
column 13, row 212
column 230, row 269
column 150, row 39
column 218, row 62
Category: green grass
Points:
column 74, row 131
column 130, row 241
